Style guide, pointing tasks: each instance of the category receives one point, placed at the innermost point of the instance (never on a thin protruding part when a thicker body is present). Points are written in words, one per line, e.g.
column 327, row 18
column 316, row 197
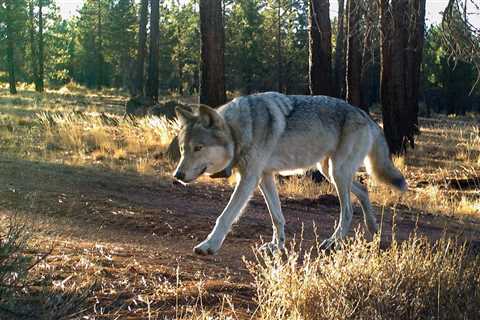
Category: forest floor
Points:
column 119, row 233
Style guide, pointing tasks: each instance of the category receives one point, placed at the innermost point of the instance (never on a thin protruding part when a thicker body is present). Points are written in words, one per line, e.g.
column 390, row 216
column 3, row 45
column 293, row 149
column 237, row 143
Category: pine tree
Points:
column 212, row 84
column 181, row 53
column 119, row 34
column 245, row 48
column 91, row 52
column 141, row 48
column 320, row 48
column 153, row 58
column 402, row 24
column 14, row 15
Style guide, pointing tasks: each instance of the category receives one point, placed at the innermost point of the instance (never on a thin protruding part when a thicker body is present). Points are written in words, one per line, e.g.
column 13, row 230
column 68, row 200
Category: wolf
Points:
column 264, row 134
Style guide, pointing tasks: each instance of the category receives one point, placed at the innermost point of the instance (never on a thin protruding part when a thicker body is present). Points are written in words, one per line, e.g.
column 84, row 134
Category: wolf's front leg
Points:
column 270, row 193
column 242, row 193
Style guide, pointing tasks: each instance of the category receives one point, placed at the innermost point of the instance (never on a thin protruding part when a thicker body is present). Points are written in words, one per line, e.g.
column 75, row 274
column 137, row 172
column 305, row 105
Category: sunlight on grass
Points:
column 304, row 187
column 362, row 281
column 104, row 137
column 415, row 279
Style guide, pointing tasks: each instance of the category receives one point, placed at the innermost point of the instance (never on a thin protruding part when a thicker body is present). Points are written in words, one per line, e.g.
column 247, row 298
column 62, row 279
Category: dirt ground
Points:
column 127, row 239
column 148, row 226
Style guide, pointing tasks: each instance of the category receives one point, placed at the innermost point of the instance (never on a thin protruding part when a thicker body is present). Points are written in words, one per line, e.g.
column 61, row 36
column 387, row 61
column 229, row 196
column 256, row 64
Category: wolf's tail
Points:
column 380, row 166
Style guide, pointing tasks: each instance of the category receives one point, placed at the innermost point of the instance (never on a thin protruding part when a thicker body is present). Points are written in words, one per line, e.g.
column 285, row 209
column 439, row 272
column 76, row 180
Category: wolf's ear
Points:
column 210, row 117
column 184, row 115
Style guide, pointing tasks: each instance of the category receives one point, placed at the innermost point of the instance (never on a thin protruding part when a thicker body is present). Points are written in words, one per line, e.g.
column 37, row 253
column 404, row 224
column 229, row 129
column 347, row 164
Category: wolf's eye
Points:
column 197, row 148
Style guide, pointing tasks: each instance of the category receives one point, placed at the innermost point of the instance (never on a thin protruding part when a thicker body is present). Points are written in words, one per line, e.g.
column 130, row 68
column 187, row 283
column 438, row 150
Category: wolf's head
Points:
column 205, row 143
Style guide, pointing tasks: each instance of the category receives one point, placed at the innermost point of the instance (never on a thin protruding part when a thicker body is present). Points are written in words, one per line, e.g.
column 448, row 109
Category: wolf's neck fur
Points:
column 227, row 172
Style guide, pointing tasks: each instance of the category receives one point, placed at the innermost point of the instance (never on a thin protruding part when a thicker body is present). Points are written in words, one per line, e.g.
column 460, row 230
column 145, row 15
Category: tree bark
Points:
column 279, row 48
column 39, row 86
column 154, row 56
column 400, row 70
column 367, row 74
column 320, row 48
column 340, row 53
column 212, row 65
column 33, row 47
column 10, row 47
column 99, row 81
column 142, row 49
column 415, row 54
column 354, row 54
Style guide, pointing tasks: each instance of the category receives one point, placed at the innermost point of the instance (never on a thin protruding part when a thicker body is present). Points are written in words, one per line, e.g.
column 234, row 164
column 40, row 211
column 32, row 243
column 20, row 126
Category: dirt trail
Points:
column 161, row 222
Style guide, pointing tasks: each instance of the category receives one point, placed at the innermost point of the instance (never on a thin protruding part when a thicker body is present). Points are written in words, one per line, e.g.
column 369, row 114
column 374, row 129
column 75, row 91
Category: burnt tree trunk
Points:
column 339, row 73
column 354, row 54
column 41, row 65
column 138, row 88
column 320, row 48
column 212, row 65
column 401, row 21
column 154, row 56
column 10, row 47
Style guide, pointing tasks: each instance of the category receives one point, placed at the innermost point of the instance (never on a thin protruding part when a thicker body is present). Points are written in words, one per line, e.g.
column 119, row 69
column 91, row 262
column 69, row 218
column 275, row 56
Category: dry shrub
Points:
column 411, row 280
column 14, row 263
column 23, row 293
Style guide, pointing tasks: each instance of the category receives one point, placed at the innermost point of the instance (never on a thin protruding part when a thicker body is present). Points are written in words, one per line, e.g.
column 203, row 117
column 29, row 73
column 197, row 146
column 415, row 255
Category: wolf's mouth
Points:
column 184, row 181
column 203, row 171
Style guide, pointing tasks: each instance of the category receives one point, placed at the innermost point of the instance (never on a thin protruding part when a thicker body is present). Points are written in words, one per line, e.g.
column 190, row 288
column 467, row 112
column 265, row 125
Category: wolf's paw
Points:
column 330, row 244
column 207, row 247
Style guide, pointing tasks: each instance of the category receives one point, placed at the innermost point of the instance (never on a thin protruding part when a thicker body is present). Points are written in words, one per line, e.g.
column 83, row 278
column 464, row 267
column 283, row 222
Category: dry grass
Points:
column 412, row 280
column 443, row 171
column 302, row 187
column 108, row 139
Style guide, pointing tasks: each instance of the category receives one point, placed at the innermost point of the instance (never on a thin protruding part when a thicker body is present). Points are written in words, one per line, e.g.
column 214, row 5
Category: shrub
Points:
column 14, row 263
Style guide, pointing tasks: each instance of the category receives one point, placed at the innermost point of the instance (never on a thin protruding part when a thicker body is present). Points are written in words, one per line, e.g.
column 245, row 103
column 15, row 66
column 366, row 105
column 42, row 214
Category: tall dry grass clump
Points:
column 411, row 280
column 105, row 137
column 85, row 132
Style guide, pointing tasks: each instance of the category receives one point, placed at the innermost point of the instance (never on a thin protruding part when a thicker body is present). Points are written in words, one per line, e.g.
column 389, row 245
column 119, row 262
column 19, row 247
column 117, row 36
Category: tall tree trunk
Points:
column 400, row 70
column 142, row 49
column 10, row 47
column 154, row 56
column 416, row 31
column 340, row 52
column 354, row 54
column 41, row 67
column 320, row 48
column 33, row 47
column 366, row 76
column 212, row 65
column 99, row 48
column 279, row 48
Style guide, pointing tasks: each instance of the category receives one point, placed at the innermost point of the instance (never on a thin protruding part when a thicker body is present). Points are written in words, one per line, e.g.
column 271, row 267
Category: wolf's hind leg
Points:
column 270, row 194
column 242, row 193
column 342, row 180
column 362, row 195
column 368, row 214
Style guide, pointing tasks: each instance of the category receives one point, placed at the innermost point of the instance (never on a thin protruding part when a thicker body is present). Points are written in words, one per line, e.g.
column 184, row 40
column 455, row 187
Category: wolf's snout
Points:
column 179, row 175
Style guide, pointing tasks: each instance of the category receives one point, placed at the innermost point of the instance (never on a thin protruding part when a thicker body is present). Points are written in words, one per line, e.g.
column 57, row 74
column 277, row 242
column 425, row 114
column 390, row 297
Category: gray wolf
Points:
column 263, row 134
